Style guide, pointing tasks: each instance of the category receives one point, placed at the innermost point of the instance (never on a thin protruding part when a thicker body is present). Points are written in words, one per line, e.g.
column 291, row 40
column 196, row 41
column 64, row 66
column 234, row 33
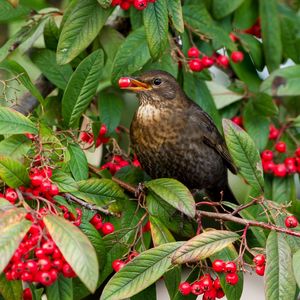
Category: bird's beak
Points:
column 137, row 86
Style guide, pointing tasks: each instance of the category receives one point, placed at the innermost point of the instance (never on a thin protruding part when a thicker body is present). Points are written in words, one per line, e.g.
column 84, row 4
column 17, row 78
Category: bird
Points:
column 173, row 137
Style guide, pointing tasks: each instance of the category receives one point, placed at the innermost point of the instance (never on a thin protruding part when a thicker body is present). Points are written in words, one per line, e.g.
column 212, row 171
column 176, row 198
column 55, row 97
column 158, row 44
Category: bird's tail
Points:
column 224, row 194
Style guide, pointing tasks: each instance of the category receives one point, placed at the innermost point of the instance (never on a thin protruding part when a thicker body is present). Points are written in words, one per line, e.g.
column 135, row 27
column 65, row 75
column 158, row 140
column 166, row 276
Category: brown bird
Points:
column 174, row 138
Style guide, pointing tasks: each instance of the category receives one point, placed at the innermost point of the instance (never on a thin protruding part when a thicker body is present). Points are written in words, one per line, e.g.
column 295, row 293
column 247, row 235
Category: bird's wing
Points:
column 211, row 135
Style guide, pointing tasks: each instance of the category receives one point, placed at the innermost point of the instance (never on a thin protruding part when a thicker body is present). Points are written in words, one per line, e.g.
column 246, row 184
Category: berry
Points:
column 27, row 295
column 140, row 4
column 124, row 82
column 96, row 219
column 196, row 288
column 232, row 278
column 268, row 166
column 185, row 288
column 218, row 265
column 54, row 190
column 274, row 132
column 237, row 120
column 147, row 227
column 230, row 267
column 297, row 152
column 57, row 264
column 39, row 253
column 210, row 295
column 117, row 265
column 207, row 61
column 196, row 65
column 220, row 294
column 45, row 186
column 259, row 259
column 30, row 266
column 267, row 155
column 99, row 225
column 53, row 274
column 11, row 195
column 48, row 247
column 237, row 56
column 68, row 271
column 280, row 170
column 291, row 222
column 44, row 264
column 222, row 61
column 280, row 147
column 233, row 37
column 36, row 179
column 260, row 270
column 107, row 228
column 25, row 276
column 125, row 5
column 44, row 278
column 206, row 283
column 217, row 283
column 193, row 52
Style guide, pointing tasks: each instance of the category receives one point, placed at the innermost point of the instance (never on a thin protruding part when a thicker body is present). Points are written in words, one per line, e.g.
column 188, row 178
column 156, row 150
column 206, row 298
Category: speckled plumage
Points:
column 173, row 137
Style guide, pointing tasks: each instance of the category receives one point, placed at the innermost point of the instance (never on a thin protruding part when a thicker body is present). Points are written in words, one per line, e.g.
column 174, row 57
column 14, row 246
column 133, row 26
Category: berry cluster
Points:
column 118, row 264
column 68, row 215
column 288, row 165
column 260, row 264
column 88, row 138
column 210, row 288
column 126, row 4
column 197, row 64
column 37, row 258
column 117, row 162
column 106, row 228
column 229, row 268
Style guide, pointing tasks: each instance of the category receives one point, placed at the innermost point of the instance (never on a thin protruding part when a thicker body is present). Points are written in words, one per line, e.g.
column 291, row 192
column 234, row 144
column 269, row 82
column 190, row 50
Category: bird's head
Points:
column 153, row 87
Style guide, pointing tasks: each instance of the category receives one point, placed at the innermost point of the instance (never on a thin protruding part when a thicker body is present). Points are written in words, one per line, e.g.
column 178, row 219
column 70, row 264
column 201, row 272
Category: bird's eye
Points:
column 157, row 81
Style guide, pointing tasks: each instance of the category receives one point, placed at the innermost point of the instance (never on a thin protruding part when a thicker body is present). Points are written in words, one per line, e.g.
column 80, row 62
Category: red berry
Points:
column 147, row 227
column 260, row 270
column 267, row 155
column 54, row 190
column 98, row 225
column 36, row 179
column 125, row 5
column 96, row 219
column 206, row 283
column 140, row 4
column 280, row 147
column 280, row 170
column 230, row 267
column 48, row 247
column 30, row 266
column 53, row 274
column 196, row 288
column 11, row 195
column 217, row 283
column 185, row 288
column 237, row 120
column 115, row 2
column 233, row 37
column 25, row 276
column 27, row 295
column 259, row 259
column 237, row 56
column 107, row 228
column 220, row 294
column 193, row 52
column 68, row 271
column 44, row 278
column 210, row 295
column 57, row 264
column 207, row 61
column 56, row 253
column 124, row 82
column 274, row 132
column 196, row 65
column 297, row 152
column 268, row 166
column 44, row 264
column 117, row 265
column 218, row 265
column 232, row 278
column 222, row 61
column 291, row 222
column 45, row 186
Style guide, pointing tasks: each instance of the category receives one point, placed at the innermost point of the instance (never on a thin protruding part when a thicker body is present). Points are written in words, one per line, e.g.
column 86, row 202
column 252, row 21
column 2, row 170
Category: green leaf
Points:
column 64, row 181
column 23, row 77
column 13, row 122
column 197, row 16
column 174, row 193
column 111, row 107
column 244, row 154
column 271, row 33
column 257, row 126
column 105, row 3
column 296, row 269
column 10, row 290
column 175, row 13
column 76, row 249
column 8, row 12
column 132, row 55
column 282, row 82
column 99, row 191
column 46, row 61
column 12, row 172
column 51, row 34
column 80, row 29
column 197, row 90
column 82, row 87
column 156, row 26
column 140, row 273
column 222, row 8
column 13, row 227
column 78, row 163
column 160, row 233
column 265, row 105
column 61, row 289
column 15, row 146
column 246, row 14
column 279, row 278
column 147, row 294
column 281, row 190
column 203, row 245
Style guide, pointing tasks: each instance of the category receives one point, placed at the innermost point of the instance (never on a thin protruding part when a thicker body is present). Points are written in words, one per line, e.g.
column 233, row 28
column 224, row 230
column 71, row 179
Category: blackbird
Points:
column 174, row 138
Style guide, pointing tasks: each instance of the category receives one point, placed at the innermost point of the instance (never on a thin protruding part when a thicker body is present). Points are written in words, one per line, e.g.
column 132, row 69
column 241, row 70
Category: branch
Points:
column 229, row 217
